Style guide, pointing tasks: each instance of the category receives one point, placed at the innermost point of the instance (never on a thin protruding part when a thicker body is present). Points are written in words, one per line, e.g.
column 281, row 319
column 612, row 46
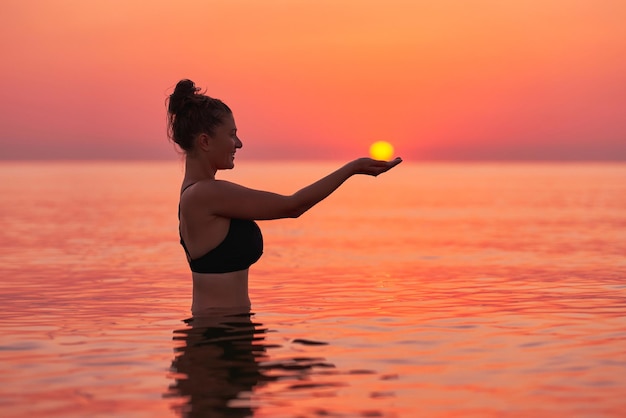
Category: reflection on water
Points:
column 439, row 290
column 223, row 359
column 218, row 365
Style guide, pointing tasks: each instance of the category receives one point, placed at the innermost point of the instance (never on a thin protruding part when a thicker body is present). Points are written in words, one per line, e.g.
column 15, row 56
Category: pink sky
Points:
column 451, row 79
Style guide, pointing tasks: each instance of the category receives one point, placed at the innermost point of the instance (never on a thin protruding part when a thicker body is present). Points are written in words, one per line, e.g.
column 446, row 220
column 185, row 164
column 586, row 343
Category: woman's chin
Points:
column 227, row 164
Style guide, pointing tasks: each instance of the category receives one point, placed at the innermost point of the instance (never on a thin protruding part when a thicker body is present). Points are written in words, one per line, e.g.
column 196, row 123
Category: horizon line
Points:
column 317, row 160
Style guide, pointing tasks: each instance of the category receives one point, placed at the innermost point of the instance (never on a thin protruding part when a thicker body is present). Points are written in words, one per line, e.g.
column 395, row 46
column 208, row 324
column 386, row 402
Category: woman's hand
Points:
column 373, row 167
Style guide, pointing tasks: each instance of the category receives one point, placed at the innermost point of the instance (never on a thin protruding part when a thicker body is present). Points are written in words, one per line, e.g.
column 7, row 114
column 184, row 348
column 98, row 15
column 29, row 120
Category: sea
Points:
column 434, row 290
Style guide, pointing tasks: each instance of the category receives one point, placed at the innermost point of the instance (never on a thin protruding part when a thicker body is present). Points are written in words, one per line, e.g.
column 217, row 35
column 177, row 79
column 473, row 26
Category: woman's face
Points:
column 224, row 143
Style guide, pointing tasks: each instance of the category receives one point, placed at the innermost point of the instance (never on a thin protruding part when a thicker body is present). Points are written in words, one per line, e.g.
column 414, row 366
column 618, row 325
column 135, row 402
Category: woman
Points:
column 217, row 228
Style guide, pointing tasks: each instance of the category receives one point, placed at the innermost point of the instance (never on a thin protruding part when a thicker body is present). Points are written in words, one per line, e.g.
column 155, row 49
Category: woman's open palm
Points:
column 373, row 167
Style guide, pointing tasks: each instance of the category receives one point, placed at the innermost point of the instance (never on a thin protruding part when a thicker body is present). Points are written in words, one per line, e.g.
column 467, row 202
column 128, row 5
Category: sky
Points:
column 318, row 79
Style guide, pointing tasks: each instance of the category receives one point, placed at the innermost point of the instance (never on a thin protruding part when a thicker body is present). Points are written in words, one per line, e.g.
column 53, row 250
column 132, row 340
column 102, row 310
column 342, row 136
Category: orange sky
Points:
column 445, row 79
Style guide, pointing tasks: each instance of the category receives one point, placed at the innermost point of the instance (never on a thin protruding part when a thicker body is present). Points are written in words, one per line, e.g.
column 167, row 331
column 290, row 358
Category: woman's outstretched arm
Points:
column 222, row 198
column 309, row 196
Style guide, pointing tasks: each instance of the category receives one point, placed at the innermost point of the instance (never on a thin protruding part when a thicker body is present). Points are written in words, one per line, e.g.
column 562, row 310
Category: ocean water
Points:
column 439, row 290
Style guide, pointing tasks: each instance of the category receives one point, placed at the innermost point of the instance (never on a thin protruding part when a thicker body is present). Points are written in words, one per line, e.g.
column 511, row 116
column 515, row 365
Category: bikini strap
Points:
column 186, row 187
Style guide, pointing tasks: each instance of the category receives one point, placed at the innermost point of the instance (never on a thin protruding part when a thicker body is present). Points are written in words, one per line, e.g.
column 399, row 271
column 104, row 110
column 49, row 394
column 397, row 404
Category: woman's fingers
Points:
column 388, row 165
column 373, row 167
column 378, row 167
column 394, row 162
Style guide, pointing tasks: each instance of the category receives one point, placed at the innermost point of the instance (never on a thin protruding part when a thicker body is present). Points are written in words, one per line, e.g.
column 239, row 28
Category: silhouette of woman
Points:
column 217, row 228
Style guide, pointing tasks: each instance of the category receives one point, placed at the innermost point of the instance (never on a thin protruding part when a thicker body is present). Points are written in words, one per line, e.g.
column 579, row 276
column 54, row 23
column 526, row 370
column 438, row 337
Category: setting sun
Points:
column 381, row 150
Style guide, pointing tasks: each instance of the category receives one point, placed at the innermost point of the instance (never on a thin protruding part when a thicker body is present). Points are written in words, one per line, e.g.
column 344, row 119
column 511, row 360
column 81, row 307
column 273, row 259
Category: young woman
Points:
column 217, row 228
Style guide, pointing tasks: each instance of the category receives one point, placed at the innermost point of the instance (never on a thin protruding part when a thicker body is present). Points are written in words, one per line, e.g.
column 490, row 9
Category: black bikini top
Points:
column 242, row 247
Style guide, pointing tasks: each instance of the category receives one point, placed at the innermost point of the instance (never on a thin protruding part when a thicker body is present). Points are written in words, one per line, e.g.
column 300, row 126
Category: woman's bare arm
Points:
column 309, row 196
column 230, row 200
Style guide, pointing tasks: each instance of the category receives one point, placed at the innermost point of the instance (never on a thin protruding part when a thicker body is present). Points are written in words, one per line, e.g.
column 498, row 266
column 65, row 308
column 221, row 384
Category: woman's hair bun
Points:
column 192, row 112
column 185, row 89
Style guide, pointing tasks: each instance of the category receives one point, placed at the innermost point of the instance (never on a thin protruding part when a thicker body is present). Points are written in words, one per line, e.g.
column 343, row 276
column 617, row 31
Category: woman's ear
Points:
column 204, row 141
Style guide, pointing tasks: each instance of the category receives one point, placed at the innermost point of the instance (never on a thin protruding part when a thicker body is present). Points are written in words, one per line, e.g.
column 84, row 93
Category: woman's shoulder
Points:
column 202, row 187
column 204, row 191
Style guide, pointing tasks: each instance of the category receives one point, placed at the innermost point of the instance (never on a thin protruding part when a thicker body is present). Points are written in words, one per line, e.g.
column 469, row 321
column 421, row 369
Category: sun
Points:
column 381, row 150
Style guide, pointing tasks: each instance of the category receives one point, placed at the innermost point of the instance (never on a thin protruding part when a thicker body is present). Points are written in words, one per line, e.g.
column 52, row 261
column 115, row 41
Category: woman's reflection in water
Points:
column 224, row 358
column 219, row 364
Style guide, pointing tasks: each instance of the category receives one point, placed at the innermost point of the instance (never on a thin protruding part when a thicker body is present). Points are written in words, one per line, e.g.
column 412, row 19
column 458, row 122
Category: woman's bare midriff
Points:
column 220, row 290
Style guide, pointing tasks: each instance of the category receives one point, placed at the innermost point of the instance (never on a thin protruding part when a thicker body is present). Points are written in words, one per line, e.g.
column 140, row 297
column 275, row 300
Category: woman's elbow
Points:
column 295, row 212
column 295, row 209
